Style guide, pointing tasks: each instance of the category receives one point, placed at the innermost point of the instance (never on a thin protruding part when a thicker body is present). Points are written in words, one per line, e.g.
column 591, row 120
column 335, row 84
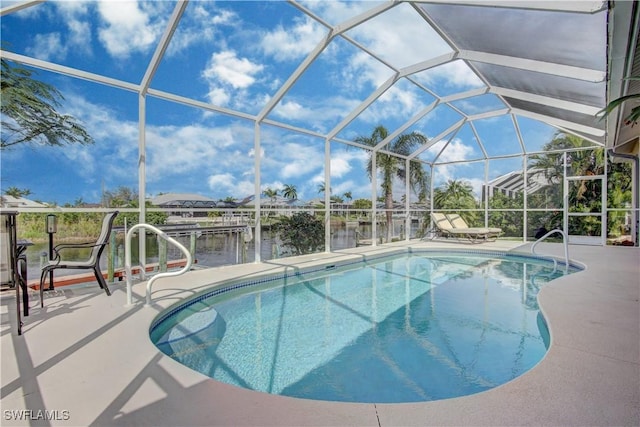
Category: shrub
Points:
column 301, row 232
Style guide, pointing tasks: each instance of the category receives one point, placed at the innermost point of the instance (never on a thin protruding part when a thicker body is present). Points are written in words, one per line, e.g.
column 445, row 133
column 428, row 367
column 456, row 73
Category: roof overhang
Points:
column 624, row 62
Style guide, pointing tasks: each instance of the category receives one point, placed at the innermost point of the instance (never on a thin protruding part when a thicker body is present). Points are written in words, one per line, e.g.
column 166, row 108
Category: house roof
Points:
column 183, row 200
column 19, row 202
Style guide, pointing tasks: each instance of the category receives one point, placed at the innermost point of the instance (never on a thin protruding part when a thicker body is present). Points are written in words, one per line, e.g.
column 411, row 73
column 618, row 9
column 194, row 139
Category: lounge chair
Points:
column 473, row 234
column 458, row 222
column 91, row 263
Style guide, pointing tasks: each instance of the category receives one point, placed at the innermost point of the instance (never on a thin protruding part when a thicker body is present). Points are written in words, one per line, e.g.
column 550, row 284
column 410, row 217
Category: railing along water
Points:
column 127, row 266
column 565, row 241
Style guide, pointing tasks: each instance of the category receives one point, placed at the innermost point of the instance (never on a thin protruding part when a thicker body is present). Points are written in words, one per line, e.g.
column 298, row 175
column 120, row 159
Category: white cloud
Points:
column 114, row 153
column 363, row 71
column 415, row 43
column 340, row 167
column 224, row 17
column 396, row 103
column 342, row 162
column 56, row 45
column 82, row 159
column 339, row 11
column 76, row 16
column 129, row 27
column 225, row 184
column 293, row 110
column 476, row 184
column 48, row 47
column 347, row 164
column 202, row 23
column 182, row 152
column 227, row 68
column 285, row 44
column 218, row 96
column 252, row 152
column 315, row 114
column 455, row 151
column 80, row 35
column 226, row 73
column 243, row 189
column 221, row 181
column 179, row 150
column 457, row 74
column 289, row 160
column 340, row 188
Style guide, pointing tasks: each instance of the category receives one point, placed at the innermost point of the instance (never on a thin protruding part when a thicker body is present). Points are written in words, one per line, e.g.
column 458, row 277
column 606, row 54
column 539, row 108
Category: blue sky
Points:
column 236, row 55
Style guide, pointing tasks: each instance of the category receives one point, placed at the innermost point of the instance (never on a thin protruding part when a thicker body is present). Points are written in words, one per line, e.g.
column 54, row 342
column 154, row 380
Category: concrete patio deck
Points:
column 86, row 359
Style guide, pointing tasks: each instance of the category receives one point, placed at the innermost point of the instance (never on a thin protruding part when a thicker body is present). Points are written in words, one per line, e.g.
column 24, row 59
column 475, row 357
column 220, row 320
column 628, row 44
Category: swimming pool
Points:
column 412, row 327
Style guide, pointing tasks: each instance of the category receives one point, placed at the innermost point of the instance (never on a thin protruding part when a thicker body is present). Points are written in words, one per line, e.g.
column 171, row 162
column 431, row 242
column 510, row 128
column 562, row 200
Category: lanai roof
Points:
column 555, row 62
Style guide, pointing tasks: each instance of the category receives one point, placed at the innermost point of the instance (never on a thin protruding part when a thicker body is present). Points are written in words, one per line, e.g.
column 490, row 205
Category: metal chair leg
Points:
column 43, row 276
column 100, row 279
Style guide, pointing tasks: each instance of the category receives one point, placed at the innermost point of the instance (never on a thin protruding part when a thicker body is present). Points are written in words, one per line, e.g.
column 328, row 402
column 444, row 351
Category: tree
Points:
column 506, row 216
column 363, row 204
column 583, row 160
column 17, row 192
column 580, row 161
column 290, row 192
column 121, row 197
column 456, row 195
column 348, row 195
column 322, row 188
column 131, row 218
column 392, row 167
column 619, row 194
column 271, row 193
column 302, row 232
column 29, row 114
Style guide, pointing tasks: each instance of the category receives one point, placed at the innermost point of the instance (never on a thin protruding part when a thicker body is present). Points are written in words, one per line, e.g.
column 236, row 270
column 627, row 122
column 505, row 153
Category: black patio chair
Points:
column 91, row 263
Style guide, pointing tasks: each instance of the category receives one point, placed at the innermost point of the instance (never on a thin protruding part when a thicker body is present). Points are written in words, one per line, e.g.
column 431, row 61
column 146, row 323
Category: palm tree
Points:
column 633, row 116
column 585, row 195
column 348, row 196
column 17, row 192
column 392, row 167
column 452, row 193
column 322, row 188
column 270, row 193
column 290, row 192
column 456, row 194
column 581, row 162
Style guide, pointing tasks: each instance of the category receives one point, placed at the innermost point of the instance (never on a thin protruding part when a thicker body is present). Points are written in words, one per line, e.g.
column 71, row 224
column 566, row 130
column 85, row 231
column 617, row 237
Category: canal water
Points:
column 212, row 250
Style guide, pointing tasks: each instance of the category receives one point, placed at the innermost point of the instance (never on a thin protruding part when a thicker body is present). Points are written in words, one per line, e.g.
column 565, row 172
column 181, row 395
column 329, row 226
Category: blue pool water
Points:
column 407, row 328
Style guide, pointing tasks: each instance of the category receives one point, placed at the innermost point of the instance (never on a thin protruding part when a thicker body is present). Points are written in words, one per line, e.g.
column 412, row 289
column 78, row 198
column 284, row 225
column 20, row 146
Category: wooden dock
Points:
column 119, row 274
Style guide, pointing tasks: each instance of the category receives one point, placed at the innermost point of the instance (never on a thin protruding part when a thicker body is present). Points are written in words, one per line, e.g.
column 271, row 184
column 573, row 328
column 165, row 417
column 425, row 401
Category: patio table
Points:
column 16, row 263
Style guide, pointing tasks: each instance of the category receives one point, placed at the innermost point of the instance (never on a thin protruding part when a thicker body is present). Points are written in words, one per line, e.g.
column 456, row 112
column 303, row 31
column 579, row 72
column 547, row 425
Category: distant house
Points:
column 275, row 202
column 9, row 202
column 179, row 204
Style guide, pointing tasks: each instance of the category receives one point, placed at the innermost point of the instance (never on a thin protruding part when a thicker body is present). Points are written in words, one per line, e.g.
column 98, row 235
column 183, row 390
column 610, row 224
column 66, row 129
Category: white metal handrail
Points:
column 127, row 265
column 565, row 241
